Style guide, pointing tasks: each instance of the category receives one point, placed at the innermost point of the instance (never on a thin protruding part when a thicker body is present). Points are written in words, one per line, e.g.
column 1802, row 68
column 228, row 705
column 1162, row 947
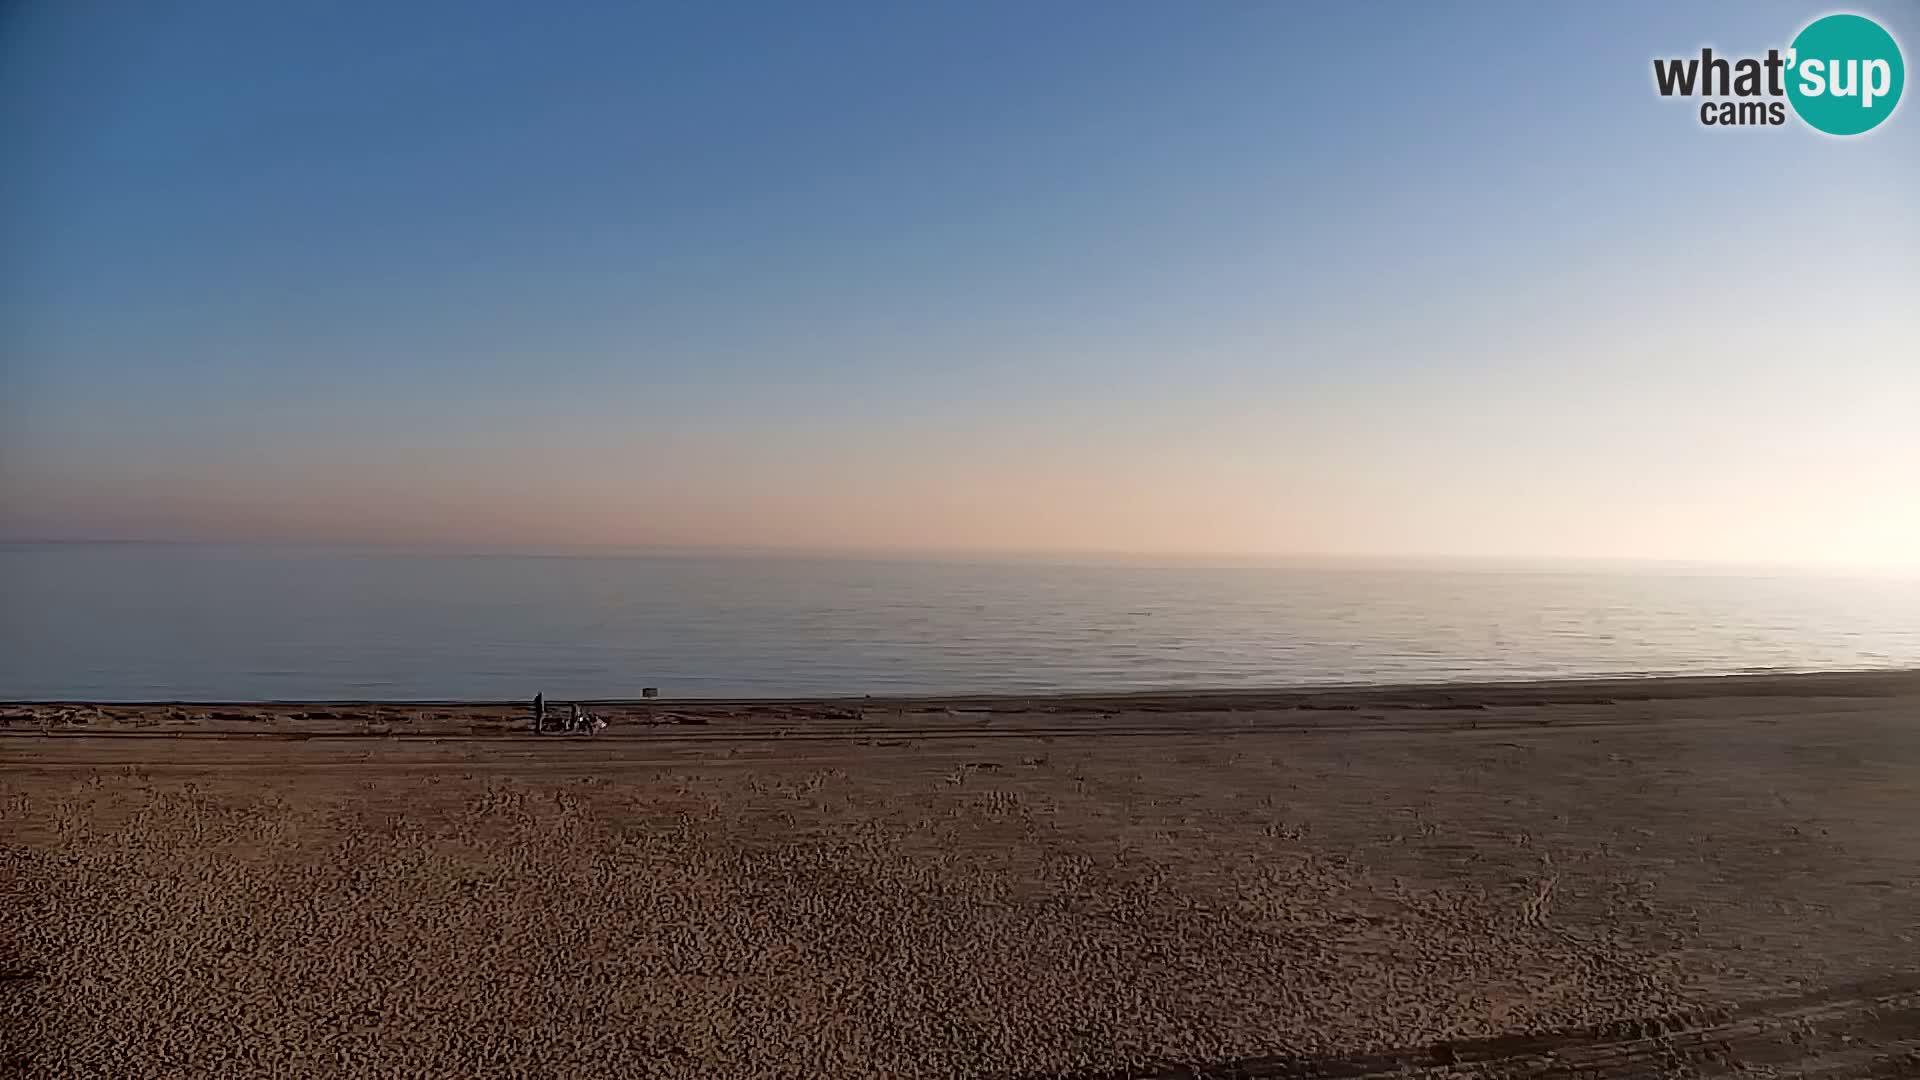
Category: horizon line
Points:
column 851, row 553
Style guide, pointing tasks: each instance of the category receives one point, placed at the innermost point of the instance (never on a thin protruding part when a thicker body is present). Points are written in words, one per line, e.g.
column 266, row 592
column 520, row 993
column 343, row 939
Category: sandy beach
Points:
column 1619, row 878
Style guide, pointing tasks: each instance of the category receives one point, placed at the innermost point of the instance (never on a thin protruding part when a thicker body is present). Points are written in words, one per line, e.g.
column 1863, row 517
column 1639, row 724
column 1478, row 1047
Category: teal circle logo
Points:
column 1845, row 74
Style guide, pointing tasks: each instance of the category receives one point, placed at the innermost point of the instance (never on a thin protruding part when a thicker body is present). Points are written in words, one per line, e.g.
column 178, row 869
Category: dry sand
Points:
column 1673, row 877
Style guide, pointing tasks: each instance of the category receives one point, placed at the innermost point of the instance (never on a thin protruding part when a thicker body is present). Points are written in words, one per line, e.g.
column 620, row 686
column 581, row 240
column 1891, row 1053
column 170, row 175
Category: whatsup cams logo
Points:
column 1842, row 75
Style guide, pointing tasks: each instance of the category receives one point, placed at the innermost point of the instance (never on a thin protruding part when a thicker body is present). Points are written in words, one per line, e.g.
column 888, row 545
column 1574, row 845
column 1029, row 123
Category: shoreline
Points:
column 1849, row 682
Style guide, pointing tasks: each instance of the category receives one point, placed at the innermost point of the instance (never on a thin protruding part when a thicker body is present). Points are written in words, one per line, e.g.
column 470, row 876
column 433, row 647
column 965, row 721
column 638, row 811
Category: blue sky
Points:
column 1221, row 277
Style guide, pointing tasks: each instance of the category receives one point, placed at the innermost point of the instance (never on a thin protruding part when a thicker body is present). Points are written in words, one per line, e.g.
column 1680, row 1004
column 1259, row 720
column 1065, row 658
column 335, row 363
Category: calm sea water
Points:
column 116, row 622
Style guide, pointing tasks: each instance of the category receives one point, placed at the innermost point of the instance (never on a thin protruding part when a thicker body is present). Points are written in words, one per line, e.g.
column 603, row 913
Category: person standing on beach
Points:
column 539, row 713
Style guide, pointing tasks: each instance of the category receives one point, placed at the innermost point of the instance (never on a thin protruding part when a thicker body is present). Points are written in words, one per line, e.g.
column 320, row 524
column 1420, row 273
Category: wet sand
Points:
column 1658, row 877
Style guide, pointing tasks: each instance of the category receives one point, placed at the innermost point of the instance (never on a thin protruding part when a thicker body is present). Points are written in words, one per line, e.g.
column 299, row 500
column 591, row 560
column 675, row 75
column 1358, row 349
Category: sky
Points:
column 1227, row 277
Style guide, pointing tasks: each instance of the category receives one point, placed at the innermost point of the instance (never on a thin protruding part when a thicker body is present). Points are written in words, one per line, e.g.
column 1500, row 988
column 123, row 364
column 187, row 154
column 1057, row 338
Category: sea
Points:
column 137, row 622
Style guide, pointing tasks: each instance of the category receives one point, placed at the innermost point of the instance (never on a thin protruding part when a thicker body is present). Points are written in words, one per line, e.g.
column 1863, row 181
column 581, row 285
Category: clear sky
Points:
column 1212, row 277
